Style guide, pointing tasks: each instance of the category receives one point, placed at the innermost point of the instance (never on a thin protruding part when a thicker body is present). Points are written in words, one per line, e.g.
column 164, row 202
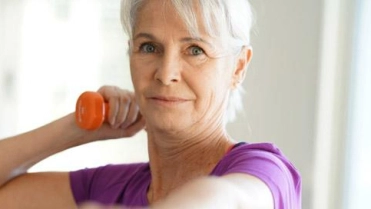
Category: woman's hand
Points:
column 124, row 118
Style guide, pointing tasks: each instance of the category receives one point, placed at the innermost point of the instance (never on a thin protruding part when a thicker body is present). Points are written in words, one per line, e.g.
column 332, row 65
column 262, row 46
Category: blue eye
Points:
column 147, row 48
column 195, row 50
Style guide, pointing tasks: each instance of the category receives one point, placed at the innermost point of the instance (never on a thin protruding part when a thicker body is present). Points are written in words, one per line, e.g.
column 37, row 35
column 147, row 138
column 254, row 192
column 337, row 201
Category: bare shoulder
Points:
column 38, row 190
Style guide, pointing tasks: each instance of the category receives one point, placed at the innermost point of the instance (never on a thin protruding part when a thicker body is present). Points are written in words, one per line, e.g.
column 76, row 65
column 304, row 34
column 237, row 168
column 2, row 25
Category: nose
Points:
column 169, row 72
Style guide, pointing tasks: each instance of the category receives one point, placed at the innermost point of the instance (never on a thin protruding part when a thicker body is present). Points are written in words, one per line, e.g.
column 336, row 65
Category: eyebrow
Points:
column 144, row 35
column 185, row 39
column 198, row 39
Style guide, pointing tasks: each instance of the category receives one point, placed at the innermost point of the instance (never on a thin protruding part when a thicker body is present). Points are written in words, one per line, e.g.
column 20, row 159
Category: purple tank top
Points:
column 127, row 184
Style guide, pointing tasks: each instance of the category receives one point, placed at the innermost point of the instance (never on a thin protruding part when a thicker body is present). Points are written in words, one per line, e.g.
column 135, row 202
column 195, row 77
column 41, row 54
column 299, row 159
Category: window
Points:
column 358, row 188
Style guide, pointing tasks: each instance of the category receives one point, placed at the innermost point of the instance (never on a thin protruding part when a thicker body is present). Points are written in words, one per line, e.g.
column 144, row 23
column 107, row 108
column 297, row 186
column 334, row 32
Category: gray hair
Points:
column 227, row 19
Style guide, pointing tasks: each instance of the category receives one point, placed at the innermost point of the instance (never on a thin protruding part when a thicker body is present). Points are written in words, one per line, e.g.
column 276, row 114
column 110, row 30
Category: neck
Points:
column 176, row 159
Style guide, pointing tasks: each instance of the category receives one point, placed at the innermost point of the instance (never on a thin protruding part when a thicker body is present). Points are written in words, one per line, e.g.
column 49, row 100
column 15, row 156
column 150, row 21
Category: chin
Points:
column 168, row 124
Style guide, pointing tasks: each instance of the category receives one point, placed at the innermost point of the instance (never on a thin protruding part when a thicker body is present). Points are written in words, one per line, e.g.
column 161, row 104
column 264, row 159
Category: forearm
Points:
column 19, row 153
column 210, row 192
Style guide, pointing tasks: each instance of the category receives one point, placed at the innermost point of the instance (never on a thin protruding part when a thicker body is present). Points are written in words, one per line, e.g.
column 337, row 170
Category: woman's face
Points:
column 180, row 82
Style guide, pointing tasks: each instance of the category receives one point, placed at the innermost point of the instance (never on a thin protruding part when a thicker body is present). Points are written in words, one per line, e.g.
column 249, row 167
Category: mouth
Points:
column 168, row 100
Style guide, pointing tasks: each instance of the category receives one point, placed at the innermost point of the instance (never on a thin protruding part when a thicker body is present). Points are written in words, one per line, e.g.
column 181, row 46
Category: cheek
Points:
column 211, row 87
column 134, row 75
column 220, row 84
column 219, row 77
column 140, row 72
column 139, row 86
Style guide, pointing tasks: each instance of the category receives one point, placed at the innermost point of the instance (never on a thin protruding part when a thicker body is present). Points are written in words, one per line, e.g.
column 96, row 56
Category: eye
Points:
column 147, row 48
column 195, row 50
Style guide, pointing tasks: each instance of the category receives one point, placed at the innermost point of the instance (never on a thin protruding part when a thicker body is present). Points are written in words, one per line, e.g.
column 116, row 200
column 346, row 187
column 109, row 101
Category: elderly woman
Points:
column 187, row 61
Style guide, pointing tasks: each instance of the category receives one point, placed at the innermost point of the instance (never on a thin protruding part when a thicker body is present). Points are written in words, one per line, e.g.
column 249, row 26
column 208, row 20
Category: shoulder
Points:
column 257, row 156
column 266, row 162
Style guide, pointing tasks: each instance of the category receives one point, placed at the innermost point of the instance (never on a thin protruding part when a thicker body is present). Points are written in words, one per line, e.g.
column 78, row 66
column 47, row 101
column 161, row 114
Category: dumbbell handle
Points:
column 91, row 110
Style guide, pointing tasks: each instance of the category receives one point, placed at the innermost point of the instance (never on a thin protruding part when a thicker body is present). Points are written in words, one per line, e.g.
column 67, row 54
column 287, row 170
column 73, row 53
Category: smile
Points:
column 168, row 101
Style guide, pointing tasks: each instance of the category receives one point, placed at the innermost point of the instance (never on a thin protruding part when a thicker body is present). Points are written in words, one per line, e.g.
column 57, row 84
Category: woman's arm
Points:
column 233, row 191
column 38, row 191
column 17, row 154
column 238, row 191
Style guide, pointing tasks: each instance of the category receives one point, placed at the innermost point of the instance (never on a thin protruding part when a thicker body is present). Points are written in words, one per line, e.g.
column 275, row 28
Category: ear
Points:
column 242, row 62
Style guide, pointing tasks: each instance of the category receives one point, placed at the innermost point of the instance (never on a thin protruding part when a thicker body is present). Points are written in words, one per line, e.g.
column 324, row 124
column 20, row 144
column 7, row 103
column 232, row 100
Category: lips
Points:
column 169, row 99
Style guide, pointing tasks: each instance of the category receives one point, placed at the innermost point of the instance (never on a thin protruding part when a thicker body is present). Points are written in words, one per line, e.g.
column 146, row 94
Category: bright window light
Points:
column 358, row 191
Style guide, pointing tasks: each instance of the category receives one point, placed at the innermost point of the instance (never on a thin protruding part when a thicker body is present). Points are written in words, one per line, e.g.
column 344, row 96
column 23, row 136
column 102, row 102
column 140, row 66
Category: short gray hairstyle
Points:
column 231, row 20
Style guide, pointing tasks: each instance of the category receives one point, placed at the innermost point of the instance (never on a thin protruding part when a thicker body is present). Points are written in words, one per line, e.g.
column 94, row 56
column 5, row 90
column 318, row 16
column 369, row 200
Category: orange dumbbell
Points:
column 91, row 110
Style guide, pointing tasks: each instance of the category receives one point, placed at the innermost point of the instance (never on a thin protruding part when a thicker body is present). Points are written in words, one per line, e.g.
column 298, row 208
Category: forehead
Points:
column 161, row 15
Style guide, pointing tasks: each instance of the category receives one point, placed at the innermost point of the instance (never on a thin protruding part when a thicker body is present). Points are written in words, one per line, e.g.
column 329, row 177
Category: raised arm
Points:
column 18, row 189
column 19, row 153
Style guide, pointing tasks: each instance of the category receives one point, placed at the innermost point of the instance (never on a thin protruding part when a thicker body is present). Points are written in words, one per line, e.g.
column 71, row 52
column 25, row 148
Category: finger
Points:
column 110, row 95
column 123, row 110
column 132, row 116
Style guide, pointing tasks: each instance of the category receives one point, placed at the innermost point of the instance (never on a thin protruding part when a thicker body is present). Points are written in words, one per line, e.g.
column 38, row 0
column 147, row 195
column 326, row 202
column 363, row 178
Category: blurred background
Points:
column 308, row 88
